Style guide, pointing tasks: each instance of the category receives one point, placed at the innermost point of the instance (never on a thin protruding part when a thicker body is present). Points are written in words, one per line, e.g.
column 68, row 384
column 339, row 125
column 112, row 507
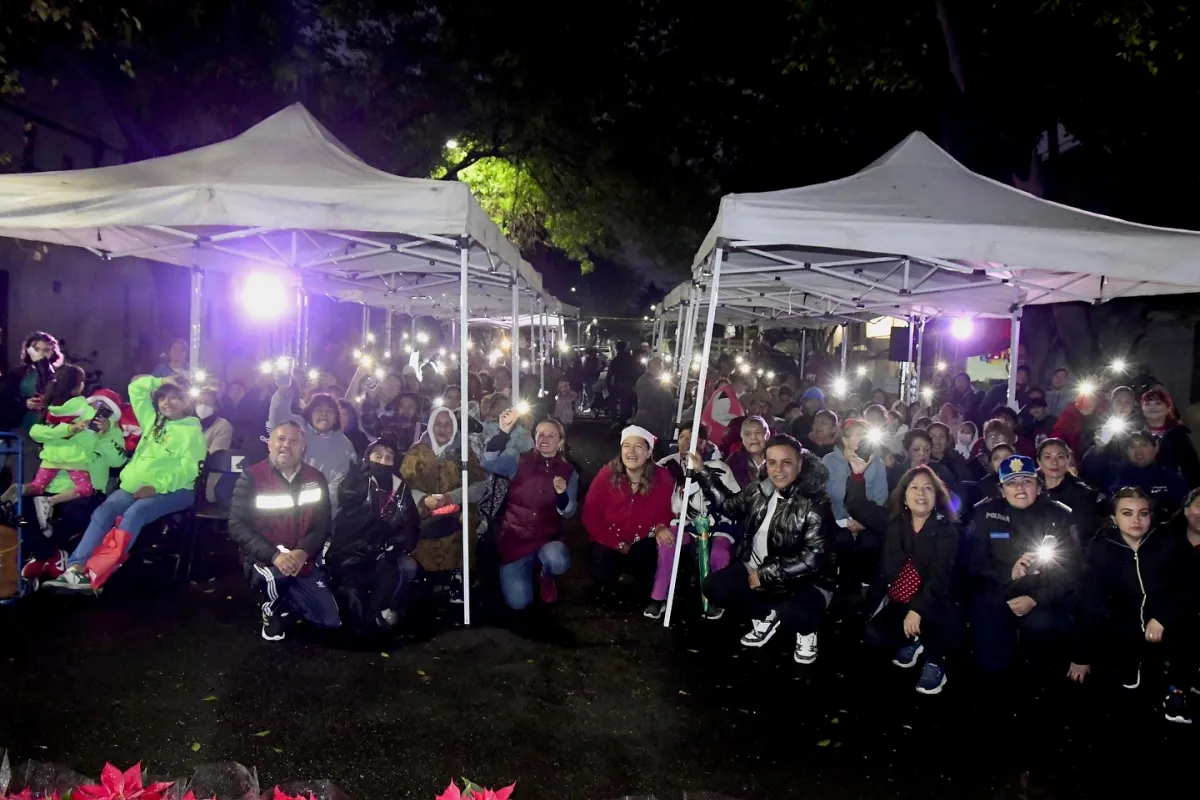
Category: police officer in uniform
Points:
column 1022, row 553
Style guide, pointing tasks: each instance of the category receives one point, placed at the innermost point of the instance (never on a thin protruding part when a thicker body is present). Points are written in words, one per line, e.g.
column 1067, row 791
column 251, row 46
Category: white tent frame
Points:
column 766, row 275
column 119, row 212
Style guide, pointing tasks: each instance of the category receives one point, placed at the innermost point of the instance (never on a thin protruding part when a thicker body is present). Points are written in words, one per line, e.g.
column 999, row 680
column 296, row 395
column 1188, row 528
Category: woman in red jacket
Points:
column 627, row 509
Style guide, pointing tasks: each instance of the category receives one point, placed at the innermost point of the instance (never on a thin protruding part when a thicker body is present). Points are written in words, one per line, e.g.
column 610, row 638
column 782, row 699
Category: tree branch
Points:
column 470, row 158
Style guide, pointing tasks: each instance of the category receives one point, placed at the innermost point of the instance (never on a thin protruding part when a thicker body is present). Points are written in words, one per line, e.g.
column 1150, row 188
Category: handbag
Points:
column 906, row 585
column 108, row 557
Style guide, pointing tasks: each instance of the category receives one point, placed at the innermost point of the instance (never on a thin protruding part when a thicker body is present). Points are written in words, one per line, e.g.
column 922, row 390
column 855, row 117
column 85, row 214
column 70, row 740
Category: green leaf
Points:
column 823, row 743
column 421, row 672
column 261, row 734
column 834, row 721
column 386, row 655
column 195, row 747
column 209, row 699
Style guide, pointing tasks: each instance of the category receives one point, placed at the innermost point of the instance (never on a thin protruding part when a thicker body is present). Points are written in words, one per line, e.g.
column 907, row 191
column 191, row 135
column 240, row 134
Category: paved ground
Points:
column 604, row 702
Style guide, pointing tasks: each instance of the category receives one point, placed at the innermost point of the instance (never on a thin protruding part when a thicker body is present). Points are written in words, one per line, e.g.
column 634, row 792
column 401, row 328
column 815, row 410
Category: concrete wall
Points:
column 108, row 307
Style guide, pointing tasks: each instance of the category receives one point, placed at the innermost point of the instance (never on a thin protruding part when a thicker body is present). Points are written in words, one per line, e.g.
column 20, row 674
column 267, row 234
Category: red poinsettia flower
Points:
column 279, row 795
column 117, row 785
column 27, row 794
column 474, row 792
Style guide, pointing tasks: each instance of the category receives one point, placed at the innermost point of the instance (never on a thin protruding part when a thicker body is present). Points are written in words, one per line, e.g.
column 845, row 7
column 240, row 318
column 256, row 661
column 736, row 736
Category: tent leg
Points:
column 541, row 348
column 463, row 246
column 684, row 363
column 366, row 331
column 1014, row 351
column 920, row 356
column 679, row 331
column 302, row 348
column 514, row 350
column 803, row 350
column 845, row 346
column 687, row 481
column 909, row 388
column 387, row 331
column 195, row 314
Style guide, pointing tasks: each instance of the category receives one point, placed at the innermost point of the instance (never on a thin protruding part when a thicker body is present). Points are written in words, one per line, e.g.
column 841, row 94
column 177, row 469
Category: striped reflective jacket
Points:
column 270, row 513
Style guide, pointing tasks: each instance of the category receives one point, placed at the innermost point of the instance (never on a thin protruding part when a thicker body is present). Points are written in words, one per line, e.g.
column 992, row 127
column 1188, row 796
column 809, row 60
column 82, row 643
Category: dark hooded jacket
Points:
column 801, row 533
column 1125, row 589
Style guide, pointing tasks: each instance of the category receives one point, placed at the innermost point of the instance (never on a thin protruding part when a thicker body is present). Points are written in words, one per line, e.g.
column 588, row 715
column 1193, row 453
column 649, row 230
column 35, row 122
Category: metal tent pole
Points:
column 713, row 289
column 845, row 345
column 803, row 351
column 910, row 390
column 921, row 355
column 195, row 315
column 1014, row 349
column 463, row 452
column 366, row 329
column 387, row 330
column 684, row 362
column 514, row 350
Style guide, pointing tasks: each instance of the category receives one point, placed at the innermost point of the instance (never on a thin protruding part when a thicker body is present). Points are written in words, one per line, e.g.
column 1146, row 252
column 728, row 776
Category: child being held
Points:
column 68, row 443
column 564, row 403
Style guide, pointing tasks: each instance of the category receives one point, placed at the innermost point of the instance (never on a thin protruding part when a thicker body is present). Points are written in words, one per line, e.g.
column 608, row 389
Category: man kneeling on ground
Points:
column 280, row 519
column 784, row 570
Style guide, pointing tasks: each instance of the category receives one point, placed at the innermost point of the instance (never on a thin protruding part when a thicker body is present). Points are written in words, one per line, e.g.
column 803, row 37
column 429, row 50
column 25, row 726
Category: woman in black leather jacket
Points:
column 784, row 570
column 369, row 558
column 910, row 598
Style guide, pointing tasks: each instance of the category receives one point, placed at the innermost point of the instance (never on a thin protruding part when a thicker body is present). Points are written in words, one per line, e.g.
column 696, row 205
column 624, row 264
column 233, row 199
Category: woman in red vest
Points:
column 542, row 489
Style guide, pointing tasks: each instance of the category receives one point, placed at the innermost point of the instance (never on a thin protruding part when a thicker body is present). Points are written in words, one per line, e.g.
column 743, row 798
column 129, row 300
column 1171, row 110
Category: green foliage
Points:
column 38, row 33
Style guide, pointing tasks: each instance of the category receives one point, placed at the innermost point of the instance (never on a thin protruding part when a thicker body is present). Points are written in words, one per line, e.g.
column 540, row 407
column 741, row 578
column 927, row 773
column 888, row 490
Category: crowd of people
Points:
column 1062, row 535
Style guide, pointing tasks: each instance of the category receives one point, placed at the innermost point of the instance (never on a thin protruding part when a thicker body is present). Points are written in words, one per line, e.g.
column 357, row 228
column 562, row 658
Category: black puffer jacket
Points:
column 1124, row 589
column 1000, row 534
column 372, row 519
column 801, row 534
column 933, row 551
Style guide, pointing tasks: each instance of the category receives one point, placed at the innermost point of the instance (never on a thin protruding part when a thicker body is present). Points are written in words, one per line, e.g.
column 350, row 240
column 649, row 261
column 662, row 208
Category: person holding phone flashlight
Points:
column 1022, row 554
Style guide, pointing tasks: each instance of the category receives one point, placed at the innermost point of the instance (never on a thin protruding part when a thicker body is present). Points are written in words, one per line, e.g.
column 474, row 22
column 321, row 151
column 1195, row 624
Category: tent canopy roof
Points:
column 917, row 232
column 285, row 195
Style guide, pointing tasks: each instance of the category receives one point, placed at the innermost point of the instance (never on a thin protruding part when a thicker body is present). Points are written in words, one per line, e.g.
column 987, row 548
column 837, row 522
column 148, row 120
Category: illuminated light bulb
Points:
column 505, row 344
column 1047, row 550
column 744, row 369
column 451, row 144
column 665, row 377
column 405, row 335
column 874, row 435
column 940, row 366
column 408, row 348
column 522, row 408
column 1087, row 387
column 737, row 359
column 644, row 360
column 470, row 344
column 524, row 364
column 442, row 352
column 199, row 375
column 387, row 354
column 379, row 373
column 927, row 394
column 267, row 367
column 595, row 321
column 1118, row 365
column 668, row 357
column 357, row 354
column 861, row 371
column 367, row 361
column 193, row 393
column 314, row 374
column 695, row 367
column 770, row 375
column 361, row 397
column 1115, row 425
column 564, row 346
column 422, row 337
column 438, row 402
column 839, row 387
column 760, row 372
column 370, row 338
column 283, row 364
column 454, row 357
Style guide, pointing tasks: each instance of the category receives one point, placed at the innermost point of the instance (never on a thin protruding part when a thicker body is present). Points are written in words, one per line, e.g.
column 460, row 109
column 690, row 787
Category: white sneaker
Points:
column 761, row 631
column 806, row 648
column 390, row 617
column 43, row 509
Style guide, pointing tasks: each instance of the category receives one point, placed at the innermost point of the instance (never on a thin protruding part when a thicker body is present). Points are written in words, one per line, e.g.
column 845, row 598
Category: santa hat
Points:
column 107, row 397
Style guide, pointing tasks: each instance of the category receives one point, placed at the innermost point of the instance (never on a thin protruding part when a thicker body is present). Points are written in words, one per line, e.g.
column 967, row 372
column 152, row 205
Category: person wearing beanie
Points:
column 626, row 512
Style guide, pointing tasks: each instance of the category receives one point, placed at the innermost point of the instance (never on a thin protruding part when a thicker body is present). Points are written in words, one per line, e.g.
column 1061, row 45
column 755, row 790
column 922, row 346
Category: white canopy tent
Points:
column 917, row 233
column 288, row 198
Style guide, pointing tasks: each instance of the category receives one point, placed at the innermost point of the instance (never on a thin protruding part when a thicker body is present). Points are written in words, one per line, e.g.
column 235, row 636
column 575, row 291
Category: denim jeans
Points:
column 516, row 578
column 135, row 514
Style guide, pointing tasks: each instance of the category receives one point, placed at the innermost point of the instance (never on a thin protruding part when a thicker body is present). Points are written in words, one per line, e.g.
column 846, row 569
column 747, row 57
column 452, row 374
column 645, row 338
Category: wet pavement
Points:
column 580, row 702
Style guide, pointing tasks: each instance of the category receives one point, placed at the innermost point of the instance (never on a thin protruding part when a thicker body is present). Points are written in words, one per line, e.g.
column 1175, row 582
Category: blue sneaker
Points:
column 933, row 678
column 907, row 656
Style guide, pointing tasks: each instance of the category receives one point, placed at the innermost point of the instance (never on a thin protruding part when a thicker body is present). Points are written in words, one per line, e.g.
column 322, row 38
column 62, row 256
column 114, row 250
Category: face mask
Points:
column 381, row 472
column 203, row 411
column 965, row 438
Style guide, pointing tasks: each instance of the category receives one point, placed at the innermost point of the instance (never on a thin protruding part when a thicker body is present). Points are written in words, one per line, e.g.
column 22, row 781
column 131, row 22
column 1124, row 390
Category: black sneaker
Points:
column 456, row 587
column 272, row 629
column 907, row 655
column 1175, row 707
column 654, row 610
column 714, row 613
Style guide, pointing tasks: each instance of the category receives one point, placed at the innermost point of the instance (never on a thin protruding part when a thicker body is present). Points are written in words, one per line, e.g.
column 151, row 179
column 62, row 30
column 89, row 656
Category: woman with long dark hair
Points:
column 1138, row 605
column 159, row 480
column 910, row 598
column 23, row 394
column 326, row 447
